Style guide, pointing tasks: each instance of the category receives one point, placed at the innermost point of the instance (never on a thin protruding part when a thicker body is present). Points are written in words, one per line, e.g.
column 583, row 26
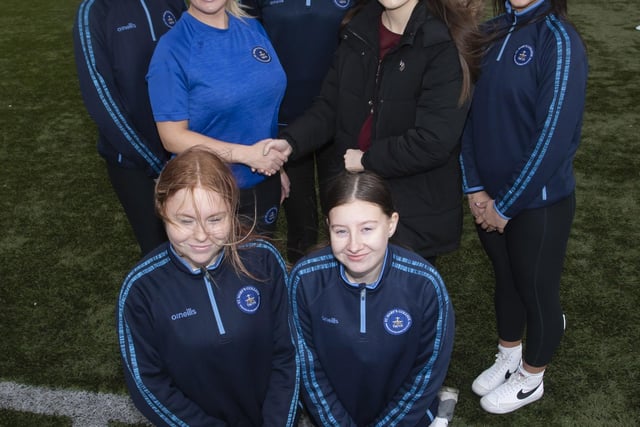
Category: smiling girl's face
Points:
column 359, row 233
column 198, row 225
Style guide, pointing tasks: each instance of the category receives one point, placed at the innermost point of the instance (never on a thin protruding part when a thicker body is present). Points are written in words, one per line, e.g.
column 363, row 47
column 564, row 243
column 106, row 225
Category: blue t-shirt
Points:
column 227, row 83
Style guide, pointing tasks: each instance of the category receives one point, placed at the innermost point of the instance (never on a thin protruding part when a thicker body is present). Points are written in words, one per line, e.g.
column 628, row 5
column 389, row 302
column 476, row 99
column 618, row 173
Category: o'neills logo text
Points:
column 129, row 26
column 187, row 313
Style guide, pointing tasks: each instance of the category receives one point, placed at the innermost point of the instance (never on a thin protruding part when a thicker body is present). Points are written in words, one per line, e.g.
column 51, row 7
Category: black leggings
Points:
column 135, row 189
column 527, row 262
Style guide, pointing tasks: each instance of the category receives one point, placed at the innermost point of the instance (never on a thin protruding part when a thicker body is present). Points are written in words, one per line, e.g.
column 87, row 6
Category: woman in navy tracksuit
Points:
column 517, row 154
column 374, row 321
column 305, row 36
column 114, row 41
column 203, row 320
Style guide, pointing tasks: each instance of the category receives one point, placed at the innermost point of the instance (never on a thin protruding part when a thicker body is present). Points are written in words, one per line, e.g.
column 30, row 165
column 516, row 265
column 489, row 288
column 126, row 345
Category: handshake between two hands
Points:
column 276, row 152
column 270, row 156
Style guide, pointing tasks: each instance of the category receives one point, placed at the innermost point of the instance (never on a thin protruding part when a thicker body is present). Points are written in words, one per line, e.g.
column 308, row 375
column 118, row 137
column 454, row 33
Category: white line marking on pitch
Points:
column 86, row 409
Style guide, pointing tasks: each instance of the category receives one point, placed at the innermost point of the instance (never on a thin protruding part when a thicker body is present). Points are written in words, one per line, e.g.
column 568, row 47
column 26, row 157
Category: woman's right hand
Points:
column 263, row 156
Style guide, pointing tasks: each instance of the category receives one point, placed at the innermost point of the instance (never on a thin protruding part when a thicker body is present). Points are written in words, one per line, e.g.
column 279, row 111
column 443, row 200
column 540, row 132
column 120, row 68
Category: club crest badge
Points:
column 397, row 321
column 261, row 54
column 169, row 18
column 342, row 4
column 248, row 299
column 271, row 215
column 523, row 55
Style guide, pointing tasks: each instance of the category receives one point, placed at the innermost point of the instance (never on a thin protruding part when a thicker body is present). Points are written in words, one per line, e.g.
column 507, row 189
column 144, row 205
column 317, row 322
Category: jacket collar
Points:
column 183, row 265
column 365, row 25
column 370, row 286
column 536, row 9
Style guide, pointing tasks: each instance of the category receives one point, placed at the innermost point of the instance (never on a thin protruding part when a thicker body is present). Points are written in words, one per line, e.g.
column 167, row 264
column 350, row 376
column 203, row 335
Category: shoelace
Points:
column 501, row 360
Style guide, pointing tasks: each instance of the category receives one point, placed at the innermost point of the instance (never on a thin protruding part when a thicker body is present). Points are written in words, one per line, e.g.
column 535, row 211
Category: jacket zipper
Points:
column 363, row 308
column 506, row 39
column 212, row 299
column 146, row 11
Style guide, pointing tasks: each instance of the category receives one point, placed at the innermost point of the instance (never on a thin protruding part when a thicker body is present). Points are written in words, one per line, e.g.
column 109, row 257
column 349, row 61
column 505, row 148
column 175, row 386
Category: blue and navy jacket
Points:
column 526, row 116
column 372, row 354
column 113, row 43
column 209, row 348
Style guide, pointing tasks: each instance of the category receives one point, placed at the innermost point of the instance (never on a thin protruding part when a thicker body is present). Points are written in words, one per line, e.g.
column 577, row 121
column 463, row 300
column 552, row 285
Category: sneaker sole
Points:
column 481, row 391
column 489, row 407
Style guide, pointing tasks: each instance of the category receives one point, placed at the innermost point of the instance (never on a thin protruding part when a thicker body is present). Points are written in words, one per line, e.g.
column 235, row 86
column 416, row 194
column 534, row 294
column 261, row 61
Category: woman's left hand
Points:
column 285, row 185
column 353, row 160
column 490, row 220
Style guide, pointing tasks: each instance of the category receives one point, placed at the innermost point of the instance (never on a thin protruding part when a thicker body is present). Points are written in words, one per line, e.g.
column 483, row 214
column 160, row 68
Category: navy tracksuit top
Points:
column 526, row 116
column 113, row 44
column 374, row 354
column 209, row 349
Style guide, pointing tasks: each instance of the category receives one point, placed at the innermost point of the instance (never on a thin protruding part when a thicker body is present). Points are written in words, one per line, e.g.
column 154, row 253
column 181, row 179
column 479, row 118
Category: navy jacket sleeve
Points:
column 100, row 92
column 471, row 182
column 562, row 78
column 317, row 126
column 151, row 388
column 319, row 397
column 439, row 121
column 410, row 404
column 280, row 405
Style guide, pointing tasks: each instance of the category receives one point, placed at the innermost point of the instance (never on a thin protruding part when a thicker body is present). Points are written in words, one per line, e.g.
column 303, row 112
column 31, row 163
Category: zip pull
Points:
column 363, row 307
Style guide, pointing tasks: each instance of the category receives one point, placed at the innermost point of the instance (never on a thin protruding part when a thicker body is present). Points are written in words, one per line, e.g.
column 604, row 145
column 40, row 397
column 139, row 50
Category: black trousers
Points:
column 135, row 190
column 301, row 207
column 527, row 261
column 261, row 204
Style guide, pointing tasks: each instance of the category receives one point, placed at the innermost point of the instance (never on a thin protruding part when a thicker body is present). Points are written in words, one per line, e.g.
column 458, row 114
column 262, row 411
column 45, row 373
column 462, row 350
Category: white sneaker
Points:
column 505, row 365
column 439, row 422
column 517, row 392
column 638, row 28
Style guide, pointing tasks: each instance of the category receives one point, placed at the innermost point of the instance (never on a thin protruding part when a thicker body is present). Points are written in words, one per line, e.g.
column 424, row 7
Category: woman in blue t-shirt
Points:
column 215, row 80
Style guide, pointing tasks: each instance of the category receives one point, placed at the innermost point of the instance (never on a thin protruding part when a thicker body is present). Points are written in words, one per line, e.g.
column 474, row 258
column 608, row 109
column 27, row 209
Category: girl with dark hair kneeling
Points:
column 374, row 321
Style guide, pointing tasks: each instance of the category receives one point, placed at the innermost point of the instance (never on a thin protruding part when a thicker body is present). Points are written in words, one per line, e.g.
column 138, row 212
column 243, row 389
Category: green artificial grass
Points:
column 25, row 419
column 66, row 246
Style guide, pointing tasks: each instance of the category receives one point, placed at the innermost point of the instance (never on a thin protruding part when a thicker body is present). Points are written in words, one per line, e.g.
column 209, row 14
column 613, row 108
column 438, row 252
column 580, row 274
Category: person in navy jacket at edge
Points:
column 374, row 322
column 305, row 34
column 113, row 44
column 517, row 163
column 203, row 321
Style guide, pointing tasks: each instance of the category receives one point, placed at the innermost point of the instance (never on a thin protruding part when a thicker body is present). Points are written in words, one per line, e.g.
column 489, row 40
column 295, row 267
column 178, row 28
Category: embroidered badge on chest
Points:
column 261, row 54
column 397, row 321
column 402, row 65
column 248, row 299
column 271, row 215
column 169, row 18
column 523, row 55
column 342, row 4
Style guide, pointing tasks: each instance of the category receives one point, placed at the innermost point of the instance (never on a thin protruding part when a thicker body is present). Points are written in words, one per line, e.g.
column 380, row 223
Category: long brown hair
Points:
column 462, row 17
column 199, row 167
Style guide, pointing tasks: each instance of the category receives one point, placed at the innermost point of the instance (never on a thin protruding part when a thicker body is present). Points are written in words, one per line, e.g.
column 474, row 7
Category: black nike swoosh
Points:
column 508, row 374
column 522, row 395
